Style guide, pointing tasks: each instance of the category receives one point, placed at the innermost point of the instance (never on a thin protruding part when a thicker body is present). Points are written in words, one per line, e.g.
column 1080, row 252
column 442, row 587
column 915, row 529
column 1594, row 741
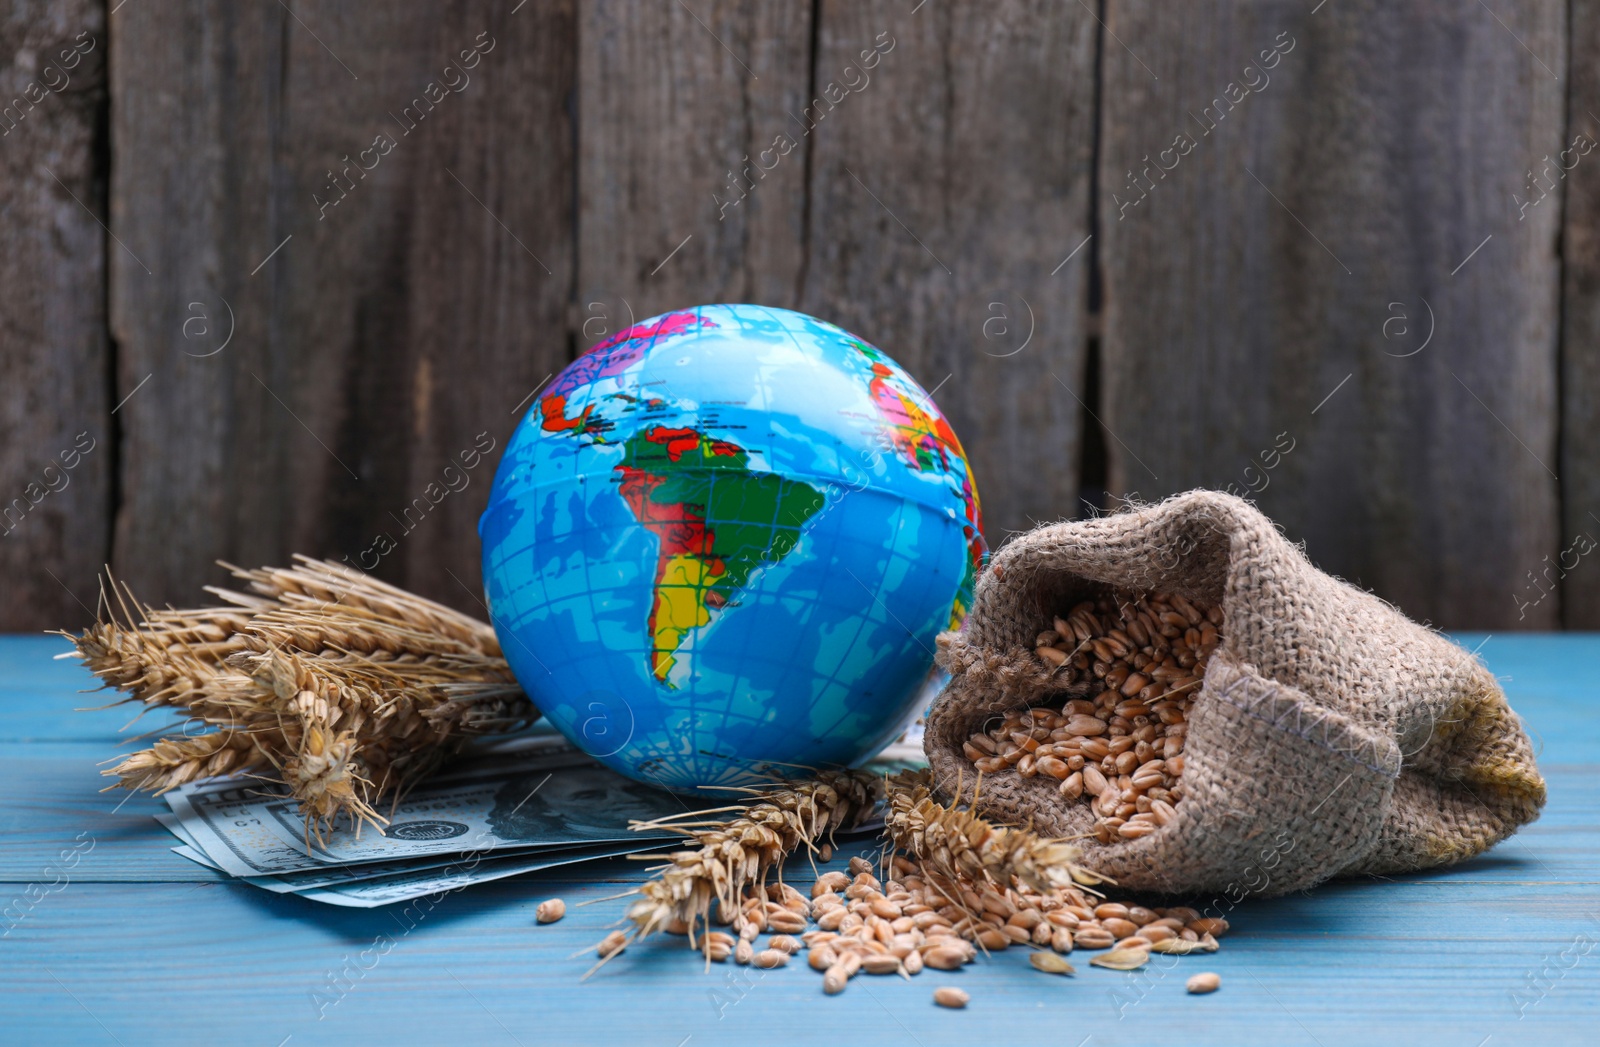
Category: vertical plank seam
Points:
column 1564, row 605
column 945, row 33
column 803, row 273
column 1094, row 454
column 101, row 163
column 746, row 277
column 575, row 185
column 279, row 187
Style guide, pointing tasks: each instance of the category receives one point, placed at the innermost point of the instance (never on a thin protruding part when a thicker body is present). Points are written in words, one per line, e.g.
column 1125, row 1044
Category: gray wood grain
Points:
column 677, row 207
column 1249, row 289
column 611, row 159
column 945, row 194
column 56, row 443
column 1579, row 572
column 381, row 197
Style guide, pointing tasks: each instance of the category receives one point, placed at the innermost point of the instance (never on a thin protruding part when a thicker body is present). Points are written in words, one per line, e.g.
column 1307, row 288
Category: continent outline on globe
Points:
column 725, row 487
column 699, row 568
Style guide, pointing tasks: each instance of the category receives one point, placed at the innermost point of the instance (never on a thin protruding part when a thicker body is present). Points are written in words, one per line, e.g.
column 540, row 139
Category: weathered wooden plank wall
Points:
column 1338, row 166
column 345, row 240
column 673, row 100
column 1575, row 171
column 57, row 452
column 747, row 173
column 945, row 196
column 380, row 199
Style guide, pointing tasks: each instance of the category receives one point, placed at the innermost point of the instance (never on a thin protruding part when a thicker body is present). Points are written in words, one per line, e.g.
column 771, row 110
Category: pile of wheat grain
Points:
column 958, row 885
column 1119, row 747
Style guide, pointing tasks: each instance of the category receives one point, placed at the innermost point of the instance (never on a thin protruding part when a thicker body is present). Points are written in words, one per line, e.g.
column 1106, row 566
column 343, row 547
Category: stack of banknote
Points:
column 535, row 806
column 535, row 803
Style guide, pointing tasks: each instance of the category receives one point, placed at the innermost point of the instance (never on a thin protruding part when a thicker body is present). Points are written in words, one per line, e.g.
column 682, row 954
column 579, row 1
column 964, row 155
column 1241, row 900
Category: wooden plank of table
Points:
column 57, row 446
column 1580, row 325
column 1402, row 963
column 53, row 700
column 58, row 799
column 949, row 215
column 1275, row 282
column 51, row 756
column 57, row 806
column 1546, row 688
column 376, row 202
column 1481, row 950
column 676, row 102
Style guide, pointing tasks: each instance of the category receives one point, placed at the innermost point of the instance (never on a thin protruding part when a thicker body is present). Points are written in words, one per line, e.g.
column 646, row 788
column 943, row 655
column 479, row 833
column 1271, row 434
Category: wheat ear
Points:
column 349, row 689
column 735, row 855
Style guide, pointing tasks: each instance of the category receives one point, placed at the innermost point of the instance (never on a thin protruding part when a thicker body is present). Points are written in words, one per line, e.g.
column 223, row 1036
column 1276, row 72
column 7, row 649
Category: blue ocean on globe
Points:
column 720, row 546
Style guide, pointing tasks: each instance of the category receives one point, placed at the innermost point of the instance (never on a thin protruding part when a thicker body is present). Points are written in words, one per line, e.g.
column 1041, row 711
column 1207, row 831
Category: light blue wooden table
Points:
column 144, row 947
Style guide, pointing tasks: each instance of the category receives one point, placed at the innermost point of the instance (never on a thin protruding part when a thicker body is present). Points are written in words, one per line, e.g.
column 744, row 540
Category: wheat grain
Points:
column 1122, row 959
column 734, row 858
column 960, row 845
column 1138, row 664
column 1050, row 963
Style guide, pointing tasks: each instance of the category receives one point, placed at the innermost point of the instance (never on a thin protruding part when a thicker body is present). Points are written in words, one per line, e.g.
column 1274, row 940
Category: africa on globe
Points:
column 721, row 543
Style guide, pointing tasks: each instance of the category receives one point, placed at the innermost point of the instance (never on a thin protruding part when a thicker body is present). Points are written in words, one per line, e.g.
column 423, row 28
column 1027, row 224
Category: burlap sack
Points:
column 1331, row 735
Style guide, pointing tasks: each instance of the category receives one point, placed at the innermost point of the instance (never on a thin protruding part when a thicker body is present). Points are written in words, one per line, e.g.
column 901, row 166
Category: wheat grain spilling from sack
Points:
column 954, row 885
column 1119, row 747
column 724, row 878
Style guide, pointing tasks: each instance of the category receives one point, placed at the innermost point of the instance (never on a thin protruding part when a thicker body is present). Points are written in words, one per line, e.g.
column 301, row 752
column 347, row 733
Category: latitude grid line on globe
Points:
column 861, row 625
column 833, row 680
column 921, row 503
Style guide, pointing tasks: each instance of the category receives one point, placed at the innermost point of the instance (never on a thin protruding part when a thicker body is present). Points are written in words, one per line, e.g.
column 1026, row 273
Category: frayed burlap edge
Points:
column 1331, row 735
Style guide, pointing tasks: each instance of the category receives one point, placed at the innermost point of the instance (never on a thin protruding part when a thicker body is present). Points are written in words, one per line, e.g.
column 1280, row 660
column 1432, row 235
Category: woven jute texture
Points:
column 1331, row 735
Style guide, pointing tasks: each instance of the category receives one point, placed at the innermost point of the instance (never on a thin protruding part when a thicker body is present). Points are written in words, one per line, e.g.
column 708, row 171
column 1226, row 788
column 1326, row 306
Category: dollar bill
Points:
column 454, row 865
column 371, row 891
column 197, row 856
column 551, row 800
column 173, row 825
column 386, row 890
column 301, row 881
column 532, row 793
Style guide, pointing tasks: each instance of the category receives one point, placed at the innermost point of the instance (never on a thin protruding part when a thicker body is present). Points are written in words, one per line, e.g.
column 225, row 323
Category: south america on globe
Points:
column 721, row 543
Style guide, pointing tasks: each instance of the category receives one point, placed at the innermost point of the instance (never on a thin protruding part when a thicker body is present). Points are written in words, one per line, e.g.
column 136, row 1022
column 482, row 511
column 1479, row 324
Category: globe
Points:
column 721, row 543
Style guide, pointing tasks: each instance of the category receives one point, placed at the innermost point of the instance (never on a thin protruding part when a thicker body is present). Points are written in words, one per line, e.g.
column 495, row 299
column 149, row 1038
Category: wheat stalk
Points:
column 959, row 845
column 171, row 762
column 314, row 584
column 954, row 858
column 349, row 690
column 735, row 855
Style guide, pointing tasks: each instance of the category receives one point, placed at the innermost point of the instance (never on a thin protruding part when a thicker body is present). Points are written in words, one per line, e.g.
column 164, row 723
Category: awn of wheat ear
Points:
column 343, row 688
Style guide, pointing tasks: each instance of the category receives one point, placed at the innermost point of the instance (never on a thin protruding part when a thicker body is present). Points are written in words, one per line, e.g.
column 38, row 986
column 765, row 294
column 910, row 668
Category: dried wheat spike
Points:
column 360, row 730
column 736, row 855
column 172, row 762
column 312, row 583
column 961, row 846
column 172, row 658
column 349, row 689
